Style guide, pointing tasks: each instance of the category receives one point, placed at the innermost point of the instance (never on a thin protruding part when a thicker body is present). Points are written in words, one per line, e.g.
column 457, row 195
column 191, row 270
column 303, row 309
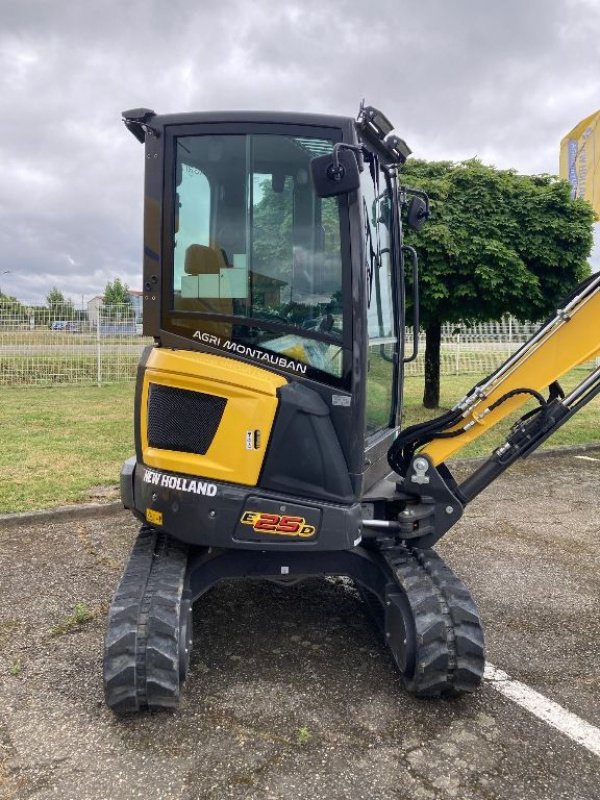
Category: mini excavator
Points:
column 267, row 411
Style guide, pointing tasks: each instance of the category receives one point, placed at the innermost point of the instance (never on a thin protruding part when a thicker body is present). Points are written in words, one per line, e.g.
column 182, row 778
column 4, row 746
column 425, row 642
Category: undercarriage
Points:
column 424, row 613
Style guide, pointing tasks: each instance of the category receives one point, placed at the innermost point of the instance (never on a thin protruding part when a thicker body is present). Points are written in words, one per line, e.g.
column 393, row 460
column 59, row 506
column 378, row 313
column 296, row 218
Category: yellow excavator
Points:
column 267, row 412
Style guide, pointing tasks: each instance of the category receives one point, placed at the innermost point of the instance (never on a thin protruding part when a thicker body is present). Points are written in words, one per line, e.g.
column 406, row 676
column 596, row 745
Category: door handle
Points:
column 415, row 296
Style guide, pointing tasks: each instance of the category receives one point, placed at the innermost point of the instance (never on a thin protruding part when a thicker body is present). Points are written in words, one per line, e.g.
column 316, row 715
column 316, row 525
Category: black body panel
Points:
column 209, row 513
column 304, row 456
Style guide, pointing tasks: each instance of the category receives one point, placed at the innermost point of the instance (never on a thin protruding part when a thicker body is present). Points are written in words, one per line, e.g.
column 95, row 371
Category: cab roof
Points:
column 138, row 120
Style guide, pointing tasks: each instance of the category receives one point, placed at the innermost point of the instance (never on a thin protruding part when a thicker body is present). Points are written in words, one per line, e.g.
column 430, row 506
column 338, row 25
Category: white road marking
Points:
column 569, row 724
column 587, row 458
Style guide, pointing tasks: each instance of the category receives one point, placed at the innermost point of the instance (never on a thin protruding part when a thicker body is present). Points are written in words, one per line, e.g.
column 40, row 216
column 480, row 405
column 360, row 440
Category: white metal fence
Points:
column 473, row 349
column 68, row 346
column 63, row 345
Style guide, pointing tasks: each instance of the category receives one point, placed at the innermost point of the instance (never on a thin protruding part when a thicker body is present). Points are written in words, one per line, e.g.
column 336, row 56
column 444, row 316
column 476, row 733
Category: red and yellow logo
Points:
column 279, row 525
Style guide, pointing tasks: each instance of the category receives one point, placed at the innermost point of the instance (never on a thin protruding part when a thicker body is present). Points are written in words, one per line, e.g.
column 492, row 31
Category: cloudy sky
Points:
column 503, row 81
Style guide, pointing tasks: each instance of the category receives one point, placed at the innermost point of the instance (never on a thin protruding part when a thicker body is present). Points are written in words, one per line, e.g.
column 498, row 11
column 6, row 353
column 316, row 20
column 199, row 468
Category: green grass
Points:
column 58, row 442
column 44, row 336
column 303, row 735
column 16, row 668
column 81, row 614
column 50, row 370
column 64, row 444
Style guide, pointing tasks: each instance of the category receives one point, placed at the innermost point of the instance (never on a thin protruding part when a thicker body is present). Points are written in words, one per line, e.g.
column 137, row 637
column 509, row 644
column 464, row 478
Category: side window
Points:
column 380, row 311
column 192, row 218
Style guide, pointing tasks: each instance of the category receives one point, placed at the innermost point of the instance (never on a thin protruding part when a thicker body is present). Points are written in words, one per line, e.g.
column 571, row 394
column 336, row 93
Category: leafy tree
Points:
column 55, row 298
column 117, row 301
column 10, row 306
column 116, row 293
column 59, row 307
column 497, row 243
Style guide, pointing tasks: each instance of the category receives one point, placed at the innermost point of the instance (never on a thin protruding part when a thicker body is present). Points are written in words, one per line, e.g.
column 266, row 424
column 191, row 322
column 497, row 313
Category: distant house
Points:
column 135, row 298
column 93, row 307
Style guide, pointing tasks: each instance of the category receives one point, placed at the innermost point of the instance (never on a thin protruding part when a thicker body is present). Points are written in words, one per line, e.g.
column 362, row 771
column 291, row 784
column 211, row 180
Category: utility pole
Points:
column 6, row 272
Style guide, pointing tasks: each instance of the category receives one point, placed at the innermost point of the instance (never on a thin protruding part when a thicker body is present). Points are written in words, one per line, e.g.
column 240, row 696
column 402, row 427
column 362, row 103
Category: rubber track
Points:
column 121, row 641
column 449, row 646
column 141, row 656
column 165, row 591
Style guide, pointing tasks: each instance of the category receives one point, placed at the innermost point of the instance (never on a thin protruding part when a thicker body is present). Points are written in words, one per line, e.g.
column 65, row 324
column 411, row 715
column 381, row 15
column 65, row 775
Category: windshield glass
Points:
column 252, row 241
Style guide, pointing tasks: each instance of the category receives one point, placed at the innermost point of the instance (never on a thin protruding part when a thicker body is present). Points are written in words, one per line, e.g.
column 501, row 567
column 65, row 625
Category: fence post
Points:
column 98, row 351
column 457, row 355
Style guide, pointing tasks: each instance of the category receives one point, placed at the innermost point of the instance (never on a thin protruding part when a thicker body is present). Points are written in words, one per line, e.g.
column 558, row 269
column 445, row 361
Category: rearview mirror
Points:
column 331, row 179
column 417, row 213
column 278, row 182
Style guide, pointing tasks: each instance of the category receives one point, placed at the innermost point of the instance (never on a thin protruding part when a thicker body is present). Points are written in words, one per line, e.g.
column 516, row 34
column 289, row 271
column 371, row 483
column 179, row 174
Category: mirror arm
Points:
column 423, row 195
column 336, row 172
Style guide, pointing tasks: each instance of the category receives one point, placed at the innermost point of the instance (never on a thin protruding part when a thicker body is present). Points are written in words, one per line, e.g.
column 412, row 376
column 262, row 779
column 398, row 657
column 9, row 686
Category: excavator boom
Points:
column 570, row 338
column 431, row 501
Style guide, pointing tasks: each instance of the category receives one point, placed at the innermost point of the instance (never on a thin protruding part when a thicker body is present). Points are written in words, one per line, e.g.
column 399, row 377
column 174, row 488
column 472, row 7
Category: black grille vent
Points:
column 182, row 420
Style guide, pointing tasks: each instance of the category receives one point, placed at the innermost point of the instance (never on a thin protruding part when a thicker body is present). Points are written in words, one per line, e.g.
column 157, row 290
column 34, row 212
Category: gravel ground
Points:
column 291, row 694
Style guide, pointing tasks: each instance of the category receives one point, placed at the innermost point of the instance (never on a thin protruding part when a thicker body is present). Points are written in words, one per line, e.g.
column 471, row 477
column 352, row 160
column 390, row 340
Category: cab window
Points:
column 254, row 243
column 382, row 333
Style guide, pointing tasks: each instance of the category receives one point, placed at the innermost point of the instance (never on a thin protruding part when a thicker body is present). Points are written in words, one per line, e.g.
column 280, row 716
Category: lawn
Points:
column 62, row 444
column 65, row 444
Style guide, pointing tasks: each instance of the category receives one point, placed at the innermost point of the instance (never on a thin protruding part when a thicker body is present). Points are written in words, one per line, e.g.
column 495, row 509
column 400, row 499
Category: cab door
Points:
column 383, row 342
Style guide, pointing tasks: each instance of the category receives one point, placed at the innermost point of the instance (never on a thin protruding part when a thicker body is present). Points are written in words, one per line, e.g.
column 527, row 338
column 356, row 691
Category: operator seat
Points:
column 202, row 260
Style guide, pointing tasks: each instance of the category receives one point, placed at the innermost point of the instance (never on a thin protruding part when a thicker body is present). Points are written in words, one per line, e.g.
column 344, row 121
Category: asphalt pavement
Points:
column 291, row 694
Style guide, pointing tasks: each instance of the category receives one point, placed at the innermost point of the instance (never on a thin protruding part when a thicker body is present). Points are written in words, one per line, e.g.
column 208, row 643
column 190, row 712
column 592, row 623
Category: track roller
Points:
column 149, row 636
column 430, row 623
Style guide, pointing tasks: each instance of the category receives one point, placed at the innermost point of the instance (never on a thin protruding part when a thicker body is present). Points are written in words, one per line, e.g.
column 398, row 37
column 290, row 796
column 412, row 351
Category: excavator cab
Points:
column 246, row 258
column 267, row 411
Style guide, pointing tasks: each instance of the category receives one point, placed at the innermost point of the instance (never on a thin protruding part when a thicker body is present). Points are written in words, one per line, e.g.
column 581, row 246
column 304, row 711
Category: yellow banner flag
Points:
column 579, row 160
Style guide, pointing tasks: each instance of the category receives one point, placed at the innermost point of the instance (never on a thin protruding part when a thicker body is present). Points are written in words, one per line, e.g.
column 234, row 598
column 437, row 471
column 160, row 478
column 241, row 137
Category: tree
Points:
column 11, row 307
column 116, row 293
column 497, row 243
column 55, row 298
column 59, row 307
column 117, row 301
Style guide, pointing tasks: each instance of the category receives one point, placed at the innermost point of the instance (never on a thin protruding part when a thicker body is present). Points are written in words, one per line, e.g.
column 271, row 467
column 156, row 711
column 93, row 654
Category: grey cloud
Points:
column 458, row 77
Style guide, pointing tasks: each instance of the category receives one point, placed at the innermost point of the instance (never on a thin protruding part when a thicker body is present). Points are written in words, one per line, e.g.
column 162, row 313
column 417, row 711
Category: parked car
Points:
column 65, row 325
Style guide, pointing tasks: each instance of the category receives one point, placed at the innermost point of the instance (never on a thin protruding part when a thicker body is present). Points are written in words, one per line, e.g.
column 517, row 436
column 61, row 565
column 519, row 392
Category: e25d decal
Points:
column 277, row 524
